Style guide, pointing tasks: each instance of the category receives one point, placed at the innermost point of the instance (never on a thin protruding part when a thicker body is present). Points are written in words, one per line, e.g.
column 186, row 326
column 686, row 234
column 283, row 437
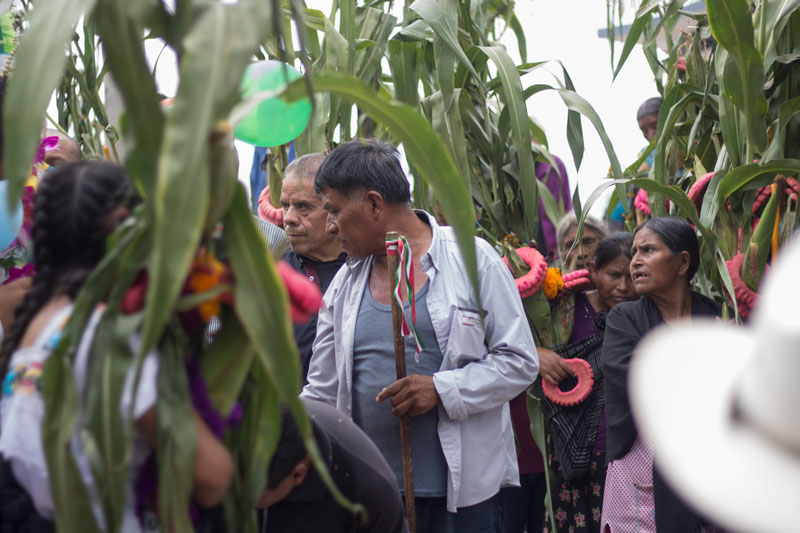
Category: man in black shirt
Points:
column 296, row 500
column 312, row 250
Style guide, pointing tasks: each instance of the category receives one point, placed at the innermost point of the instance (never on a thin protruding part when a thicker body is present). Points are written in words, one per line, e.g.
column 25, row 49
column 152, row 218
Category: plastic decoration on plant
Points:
column 640, row 202
column 553, row 283
column 273, row 121
column 764, row 193
column 576, row 395
column 698, row 191
column 746, row 298
column 305, row 297
column 267, row 211
column 577, row 280
column 531, row 282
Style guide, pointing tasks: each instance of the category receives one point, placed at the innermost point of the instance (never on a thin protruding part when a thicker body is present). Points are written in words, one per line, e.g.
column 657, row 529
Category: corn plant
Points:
column 182, row 163
column 730, row 104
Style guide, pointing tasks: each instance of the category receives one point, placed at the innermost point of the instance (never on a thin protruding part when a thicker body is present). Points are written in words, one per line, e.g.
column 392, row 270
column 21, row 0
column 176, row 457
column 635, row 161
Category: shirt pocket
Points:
column 465, row 343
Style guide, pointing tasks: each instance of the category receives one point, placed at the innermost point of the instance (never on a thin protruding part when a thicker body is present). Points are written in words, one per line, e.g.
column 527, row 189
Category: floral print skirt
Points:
column 577, row 505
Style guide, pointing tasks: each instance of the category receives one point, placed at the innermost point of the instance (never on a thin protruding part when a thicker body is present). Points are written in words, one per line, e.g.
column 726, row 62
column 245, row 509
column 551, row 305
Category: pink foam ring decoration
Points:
column 761, row 198
column 698, row 191
column 746, row 298
column 267, row 211
column 530, row 283
column 579, row 392
column 640, row 202
column 577, row 280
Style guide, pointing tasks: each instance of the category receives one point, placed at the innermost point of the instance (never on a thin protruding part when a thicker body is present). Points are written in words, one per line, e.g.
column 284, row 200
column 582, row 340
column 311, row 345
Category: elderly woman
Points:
column 666, row 255
column 582, row 254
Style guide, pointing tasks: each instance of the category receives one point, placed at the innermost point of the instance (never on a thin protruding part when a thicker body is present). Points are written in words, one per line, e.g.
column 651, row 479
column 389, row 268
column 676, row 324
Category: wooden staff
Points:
column 400, row 366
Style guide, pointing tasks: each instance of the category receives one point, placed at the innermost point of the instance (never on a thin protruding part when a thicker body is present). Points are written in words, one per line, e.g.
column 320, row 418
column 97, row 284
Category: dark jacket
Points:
column 626, row 325
column 359, row 471
column 304, row 333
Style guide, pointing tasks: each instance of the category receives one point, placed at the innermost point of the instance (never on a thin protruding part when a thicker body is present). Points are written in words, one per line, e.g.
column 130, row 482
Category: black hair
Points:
column 611, row 247
column 290, row 450
column 70, row 226
column 364, row 165
column 651, row 106
column 679, row 236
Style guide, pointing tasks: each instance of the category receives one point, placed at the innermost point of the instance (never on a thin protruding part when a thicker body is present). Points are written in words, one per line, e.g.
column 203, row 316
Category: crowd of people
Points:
column 472, row 363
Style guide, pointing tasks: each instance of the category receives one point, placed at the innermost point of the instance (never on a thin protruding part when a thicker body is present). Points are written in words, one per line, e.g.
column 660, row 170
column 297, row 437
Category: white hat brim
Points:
column 682, row 382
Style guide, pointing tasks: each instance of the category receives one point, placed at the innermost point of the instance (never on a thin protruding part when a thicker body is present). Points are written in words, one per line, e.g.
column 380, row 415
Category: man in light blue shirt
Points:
column 458, row 388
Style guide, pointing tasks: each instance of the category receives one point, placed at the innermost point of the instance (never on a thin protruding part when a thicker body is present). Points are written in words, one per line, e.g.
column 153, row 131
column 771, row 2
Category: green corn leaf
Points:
column 574, row 126
column 520, row 132
column 777, row 17
column 444, row 55
column 424, row 149
column 143, row 124
column 260, row 435
column 261, row 301
column 522, row 43
column 224, row 375
column 177, row 438
column 39, row 62
column 432, row 13
column 786, row 111
column 729, row 117
column 261, row 306
column 539, row 433
column 642, row 20
column 743, row 72
column 449, row 128
column 73, row 512
column 405, row 71
column 575, row 102
column 215, row 54
column 739, row 177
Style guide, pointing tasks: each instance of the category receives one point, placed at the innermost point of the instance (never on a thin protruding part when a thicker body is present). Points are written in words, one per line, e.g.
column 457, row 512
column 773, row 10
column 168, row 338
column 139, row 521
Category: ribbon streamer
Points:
column 405, row 266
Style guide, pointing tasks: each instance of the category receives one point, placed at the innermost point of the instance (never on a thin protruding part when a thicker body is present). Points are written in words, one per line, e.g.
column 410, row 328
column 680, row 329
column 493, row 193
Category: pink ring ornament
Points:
column 580, row 392
column 577, row 280
column 530, row 283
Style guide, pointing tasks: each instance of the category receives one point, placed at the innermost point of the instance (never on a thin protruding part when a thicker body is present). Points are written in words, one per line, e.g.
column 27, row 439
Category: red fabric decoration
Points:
column 698, row 190
column 267, row 211
column 305, row 297
column 530, row 283
column 580, row 392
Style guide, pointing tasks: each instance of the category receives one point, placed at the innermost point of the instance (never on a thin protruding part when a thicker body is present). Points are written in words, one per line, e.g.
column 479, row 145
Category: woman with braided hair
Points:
column 77, row 207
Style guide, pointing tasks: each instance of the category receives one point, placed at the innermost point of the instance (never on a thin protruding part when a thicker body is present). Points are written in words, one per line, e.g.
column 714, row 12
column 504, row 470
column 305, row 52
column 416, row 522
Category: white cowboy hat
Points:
column 719, row 406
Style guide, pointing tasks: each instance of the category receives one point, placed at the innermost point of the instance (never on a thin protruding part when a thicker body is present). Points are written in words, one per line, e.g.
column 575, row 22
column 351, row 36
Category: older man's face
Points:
column 351, row 224
column 304, row 218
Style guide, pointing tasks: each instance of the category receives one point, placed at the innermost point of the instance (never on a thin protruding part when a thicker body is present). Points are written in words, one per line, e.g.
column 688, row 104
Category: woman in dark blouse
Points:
column 666, row 255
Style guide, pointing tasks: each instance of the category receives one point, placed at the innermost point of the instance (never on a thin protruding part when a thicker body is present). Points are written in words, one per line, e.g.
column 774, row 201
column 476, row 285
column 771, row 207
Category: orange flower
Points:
column 553, row 283
column 207, row 272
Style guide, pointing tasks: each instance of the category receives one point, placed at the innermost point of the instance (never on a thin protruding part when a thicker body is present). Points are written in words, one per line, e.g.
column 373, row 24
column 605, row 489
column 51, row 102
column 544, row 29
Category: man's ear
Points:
column 299, row 472
column 376, row 202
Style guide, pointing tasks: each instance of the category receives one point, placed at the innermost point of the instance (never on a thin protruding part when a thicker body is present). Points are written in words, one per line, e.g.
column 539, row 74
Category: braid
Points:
column 69, row 231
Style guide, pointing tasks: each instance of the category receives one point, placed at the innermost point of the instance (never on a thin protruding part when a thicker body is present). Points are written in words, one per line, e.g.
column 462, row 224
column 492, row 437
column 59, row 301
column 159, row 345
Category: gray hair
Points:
column 569, row 221
column 305, row 166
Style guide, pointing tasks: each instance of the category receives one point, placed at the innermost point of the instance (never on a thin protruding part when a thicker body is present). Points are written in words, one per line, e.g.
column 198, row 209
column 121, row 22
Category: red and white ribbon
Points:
column 405, row 265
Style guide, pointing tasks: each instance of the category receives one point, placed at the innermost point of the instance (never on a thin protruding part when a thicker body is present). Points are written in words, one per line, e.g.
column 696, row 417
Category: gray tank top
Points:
column 374, row 369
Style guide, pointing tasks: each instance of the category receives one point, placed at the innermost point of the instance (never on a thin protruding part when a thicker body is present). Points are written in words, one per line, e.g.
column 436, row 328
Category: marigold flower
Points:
column 207, row 272
column 553, row 283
